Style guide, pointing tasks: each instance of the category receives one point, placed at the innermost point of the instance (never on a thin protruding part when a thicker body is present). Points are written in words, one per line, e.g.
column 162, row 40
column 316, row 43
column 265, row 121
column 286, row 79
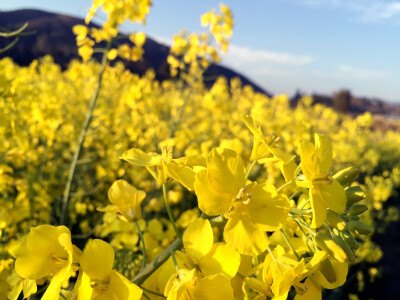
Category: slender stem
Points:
column 160, row 259
column 304, row 204
column 171, row 217
column 250, row 169
column 298, row 193
column 286, row 238
column 305, row 225
column 174, row 260
column 146, row 296
column 298, row 211
column 82, row 135
column 152, row 292
column 156, row 263
column 143, row 245
column 290, row 182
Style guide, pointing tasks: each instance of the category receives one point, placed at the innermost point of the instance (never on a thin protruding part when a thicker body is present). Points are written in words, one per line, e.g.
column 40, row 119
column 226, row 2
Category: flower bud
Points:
column 359, row 227
column 346, row 248
column 354, row 194
column 347, row 176
column 325, row 242
column 358, row 209
column 335, row 220
column 326, row 268
column 354, row 218
column 348, row 237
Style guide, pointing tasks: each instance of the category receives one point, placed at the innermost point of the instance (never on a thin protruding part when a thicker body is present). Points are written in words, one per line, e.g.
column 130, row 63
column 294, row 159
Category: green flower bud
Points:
column 354, row 194
column 358, row 209
column 347, row 176
column 359, row 227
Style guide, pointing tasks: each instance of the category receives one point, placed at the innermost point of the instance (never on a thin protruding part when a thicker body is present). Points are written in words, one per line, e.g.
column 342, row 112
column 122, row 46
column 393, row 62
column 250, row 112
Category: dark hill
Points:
column 53, row 35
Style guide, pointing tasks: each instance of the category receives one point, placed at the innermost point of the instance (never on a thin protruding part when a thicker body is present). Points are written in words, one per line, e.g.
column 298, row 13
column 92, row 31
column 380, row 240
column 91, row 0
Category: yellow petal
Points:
column 334, row 196
column 191, row 160
column 241, row 235
column 210, row 202
column 127, row 199
column 198, row 238
column 323, row 152
column 313, row 291
column 308, row 162
column 225, row 171
column 29, row 287
column 35, row 258
column 318, row 206
column 123, row 288
column 222, row 259
column 184, row 175
column 34, row 266
column 267, row 208
column 341, row 270
column 214, row 287
column 83, row 287
column 97, row 260
column 287, row 169
column 138, row 157
column 53, row 290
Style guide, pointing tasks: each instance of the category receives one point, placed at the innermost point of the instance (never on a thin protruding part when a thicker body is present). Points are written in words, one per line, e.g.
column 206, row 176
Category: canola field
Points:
column 115, row 186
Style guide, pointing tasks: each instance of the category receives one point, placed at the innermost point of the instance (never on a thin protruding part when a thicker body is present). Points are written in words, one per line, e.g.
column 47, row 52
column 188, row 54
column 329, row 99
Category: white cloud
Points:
column 346, row 72
column 239, row 56
column 362, row 10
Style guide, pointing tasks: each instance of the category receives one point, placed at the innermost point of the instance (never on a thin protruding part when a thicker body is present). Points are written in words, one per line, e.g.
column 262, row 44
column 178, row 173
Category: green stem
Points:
column 143, row 245
column 152, row 292
column 290, row 244
column 303, row 223
column 82, row 136
column 171, row 218
column 304, row 204
column 298, row 193
column 298, row 211
column 156, row 263
column 250, row 169
column 145, row 295
column 290, row 182
column 174, row 260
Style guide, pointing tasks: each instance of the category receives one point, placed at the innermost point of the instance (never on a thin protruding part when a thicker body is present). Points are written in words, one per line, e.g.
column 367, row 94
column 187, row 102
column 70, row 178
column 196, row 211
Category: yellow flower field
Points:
column 115, row 186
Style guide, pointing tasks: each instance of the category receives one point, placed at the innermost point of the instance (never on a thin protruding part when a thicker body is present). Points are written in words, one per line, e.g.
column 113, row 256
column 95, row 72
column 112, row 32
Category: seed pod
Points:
column 358, row 209
column 349, row 239
column 354, row 218
column 359, row 227
column 325, row 242
column 335, row 220
column 354, row 194
column 347, row 176
column 346, row 248
column 326, row 268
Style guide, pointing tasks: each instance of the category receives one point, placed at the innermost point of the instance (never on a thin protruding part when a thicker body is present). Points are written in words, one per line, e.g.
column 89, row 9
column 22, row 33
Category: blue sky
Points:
column 284, row 45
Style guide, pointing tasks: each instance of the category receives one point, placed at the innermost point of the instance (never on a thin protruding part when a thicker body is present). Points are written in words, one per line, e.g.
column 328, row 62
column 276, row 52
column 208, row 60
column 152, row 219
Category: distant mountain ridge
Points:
column 54, row 36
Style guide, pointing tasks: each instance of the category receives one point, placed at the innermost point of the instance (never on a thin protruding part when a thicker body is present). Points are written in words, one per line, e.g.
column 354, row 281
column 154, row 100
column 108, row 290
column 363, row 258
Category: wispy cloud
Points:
column 239, row 56
column 363, row 10
column 346, row 72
